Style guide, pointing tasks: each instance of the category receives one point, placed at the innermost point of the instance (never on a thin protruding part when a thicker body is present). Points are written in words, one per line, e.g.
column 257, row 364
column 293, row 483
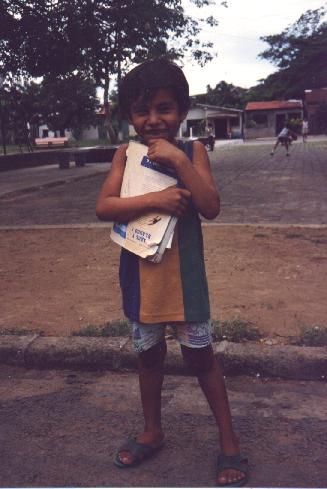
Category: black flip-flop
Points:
column 139, row 451
column 237, row 462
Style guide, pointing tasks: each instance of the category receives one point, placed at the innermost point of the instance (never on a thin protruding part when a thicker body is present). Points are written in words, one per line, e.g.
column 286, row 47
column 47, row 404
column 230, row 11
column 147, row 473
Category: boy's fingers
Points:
column 152, row 142
column 186, row 193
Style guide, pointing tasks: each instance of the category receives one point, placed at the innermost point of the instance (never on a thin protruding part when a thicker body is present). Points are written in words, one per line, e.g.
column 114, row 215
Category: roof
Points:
column 215, row 107
column 316, row 95
column 275, row 105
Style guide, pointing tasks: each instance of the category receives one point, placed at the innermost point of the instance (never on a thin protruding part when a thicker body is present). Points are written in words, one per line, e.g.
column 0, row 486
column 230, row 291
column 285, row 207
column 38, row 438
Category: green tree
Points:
column 300, row 54
column 69, row 102
column 224, row 95
column 99, row 38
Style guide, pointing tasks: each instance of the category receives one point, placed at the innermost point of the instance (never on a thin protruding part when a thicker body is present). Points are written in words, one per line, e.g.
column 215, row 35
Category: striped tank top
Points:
column 176, row 288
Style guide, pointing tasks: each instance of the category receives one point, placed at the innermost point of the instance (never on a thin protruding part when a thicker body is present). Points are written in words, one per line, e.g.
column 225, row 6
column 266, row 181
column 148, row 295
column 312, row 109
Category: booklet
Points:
column 150, row 234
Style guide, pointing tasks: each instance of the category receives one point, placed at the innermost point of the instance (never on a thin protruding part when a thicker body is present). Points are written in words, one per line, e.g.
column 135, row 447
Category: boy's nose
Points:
column 153, row 118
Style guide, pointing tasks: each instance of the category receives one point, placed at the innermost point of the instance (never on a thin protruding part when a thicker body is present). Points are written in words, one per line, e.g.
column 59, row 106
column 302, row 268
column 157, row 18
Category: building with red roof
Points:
column 266, row 119
column 314, row 98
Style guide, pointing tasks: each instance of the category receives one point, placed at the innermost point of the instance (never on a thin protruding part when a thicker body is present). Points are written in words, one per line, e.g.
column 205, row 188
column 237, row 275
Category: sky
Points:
column 236, row 39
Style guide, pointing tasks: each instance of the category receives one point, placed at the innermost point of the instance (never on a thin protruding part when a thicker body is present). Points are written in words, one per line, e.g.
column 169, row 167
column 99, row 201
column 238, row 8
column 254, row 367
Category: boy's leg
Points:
column 205, row 366
column 150, row 368
column 274, row 148
column 151, row 375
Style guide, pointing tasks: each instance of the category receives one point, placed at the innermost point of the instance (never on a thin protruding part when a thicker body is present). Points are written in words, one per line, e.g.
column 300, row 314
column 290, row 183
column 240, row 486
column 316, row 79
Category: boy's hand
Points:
column 164, row 152
column 172, row 200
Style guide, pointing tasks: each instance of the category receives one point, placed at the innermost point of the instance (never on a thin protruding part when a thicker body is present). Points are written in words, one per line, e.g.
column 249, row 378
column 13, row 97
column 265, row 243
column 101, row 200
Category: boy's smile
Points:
column 158, row 117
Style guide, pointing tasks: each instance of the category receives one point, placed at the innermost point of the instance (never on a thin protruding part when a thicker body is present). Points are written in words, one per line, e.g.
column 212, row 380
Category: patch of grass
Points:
column 120, row 327
column 19, row 331
column 260, row 235
column 313, row 336
column 236, row 330
column 294, row 236
column 318, row 241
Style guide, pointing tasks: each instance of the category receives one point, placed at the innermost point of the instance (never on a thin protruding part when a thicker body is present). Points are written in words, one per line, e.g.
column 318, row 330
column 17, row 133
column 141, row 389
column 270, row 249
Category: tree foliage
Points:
column 300, row 54
column 97, row 38
column 224, row 95
column 65, row 103
column 69, row 102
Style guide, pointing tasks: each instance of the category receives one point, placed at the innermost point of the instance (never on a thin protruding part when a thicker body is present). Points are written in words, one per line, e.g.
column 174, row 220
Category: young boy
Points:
column 155, row 98
column 285, row 137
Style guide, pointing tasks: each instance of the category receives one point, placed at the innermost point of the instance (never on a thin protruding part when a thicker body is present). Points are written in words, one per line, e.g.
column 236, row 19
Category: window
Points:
column 234, row 122
column 257, row 120
column 260, row 119
column 294, row 115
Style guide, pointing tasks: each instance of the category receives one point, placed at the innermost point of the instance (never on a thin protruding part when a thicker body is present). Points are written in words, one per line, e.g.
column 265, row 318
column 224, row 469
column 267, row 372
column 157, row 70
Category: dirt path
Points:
column 60, row 280
column 62, row 428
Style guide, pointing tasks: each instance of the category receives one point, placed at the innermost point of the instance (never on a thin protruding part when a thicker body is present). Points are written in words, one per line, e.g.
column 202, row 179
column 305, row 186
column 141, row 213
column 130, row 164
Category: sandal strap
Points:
column 139, row 451
column 236, row 462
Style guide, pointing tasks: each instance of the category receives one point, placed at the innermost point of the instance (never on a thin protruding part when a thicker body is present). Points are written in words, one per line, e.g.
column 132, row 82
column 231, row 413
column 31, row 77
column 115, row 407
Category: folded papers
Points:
column 150, row 234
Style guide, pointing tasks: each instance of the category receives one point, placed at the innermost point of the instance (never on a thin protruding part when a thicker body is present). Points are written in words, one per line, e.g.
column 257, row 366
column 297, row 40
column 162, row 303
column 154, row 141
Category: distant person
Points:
column 210, row 133
column 285, row 138
column 305, row 130
column 155, row 98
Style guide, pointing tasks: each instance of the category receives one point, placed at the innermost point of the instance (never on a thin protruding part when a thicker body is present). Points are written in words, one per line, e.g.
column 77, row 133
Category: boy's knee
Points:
column 199, row 360
column 154, row 357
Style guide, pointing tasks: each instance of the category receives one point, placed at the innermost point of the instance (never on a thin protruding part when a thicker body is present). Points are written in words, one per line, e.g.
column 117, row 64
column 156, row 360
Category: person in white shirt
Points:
column 285, row 137
column 305, row 130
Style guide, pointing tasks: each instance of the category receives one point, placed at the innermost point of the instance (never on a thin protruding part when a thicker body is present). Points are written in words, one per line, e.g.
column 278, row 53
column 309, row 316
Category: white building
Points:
column 226, row 122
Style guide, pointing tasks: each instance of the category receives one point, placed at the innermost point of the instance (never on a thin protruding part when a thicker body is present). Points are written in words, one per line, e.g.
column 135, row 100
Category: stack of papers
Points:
column 150, row 234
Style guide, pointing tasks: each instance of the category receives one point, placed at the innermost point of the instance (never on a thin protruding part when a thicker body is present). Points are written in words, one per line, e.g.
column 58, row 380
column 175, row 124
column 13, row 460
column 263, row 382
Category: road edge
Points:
column 103, row 353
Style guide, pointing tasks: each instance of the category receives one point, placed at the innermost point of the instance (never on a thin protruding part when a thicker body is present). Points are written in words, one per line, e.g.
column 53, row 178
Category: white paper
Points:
column 144, row 234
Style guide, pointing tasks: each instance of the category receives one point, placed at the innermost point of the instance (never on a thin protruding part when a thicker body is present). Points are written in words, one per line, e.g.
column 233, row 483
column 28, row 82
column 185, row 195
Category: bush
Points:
column 236, row 330
column 313, row 336
column 120, row 327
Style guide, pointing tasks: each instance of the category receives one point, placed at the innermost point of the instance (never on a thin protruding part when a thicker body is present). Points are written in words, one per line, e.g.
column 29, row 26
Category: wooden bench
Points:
column 51, row 142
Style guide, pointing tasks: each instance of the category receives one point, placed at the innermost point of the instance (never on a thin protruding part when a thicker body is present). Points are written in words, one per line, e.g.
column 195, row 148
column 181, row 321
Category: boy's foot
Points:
column 236, row 469
column 135, row 450
column 287, row 154
column 272, row 153
column 232, row 466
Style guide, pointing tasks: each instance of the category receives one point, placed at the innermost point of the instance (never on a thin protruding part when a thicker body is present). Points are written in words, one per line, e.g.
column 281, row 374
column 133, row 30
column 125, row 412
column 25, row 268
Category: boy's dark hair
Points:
column 145, row 79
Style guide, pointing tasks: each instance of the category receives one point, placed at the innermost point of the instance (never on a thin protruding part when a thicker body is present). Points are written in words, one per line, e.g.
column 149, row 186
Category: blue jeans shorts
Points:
column 192, row 334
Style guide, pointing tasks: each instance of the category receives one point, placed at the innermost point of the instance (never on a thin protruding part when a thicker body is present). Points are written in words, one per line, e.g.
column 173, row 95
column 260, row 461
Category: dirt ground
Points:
column 59, row 280
column 62, row 428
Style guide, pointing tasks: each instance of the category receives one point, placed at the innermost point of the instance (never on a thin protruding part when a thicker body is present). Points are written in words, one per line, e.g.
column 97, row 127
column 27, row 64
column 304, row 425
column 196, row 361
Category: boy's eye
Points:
column 164, row 108
column 140, row 110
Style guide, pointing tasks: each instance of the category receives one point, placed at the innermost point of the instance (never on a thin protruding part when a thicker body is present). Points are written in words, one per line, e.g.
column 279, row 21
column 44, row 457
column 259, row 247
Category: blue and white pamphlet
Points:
column 150, row 234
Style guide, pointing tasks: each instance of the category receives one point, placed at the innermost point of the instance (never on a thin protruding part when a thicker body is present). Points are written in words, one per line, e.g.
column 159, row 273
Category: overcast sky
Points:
column 236, row 39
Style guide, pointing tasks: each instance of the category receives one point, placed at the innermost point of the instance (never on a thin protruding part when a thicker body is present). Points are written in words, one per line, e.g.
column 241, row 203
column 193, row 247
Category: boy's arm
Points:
column 111, row 207
column 195, row 175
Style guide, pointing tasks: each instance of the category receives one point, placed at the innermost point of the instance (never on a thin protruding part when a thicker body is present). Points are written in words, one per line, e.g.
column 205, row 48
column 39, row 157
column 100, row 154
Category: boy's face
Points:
column 158, row 117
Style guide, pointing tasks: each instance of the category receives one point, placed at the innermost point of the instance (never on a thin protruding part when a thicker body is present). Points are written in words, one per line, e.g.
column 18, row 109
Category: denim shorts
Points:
column 192, row 334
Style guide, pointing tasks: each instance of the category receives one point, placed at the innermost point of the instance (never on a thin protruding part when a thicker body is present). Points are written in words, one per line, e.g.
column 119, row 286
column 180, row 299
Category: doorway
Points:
column 221, row 128
column 280, row 122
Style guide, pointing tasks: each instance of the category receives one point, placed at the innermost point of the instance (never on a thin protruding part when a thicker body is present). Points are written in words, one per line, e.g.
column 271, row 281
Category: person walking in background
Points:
column 155, row 98
column 285, row 137
column 210, row 133
column 305, row 130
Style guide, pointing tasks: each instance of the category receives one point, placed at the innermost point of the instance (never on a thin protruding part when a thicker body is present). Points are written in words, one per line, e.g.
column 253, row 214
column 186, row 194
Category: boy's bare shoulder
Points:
column 121, row 150
column 119, row 158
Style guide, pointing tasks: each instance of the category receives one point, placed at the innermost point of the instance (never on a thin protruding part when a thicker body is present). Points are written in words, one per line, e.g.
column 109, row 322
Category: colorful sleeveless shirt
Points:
column 176, row 288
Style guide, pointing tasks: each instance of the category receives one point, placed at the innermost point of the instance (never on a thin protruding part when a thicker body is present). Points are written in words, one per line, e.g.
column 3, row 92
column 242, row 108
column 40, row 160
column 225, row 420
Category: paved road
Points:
column 254, row 186
column 62, row 428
